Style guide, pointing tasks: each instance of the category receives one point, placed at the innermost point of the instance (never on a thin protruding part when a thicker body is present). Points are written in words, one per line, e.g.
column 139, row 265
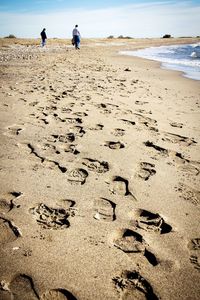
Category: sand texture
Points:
column 99, row 172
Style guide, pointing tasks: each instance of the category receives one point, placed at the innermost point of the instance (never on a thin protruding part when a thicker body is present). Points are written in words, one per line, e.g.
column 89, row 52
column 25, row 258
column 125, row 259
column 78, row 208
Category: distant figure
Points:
column 44, row 37
column 76, row 37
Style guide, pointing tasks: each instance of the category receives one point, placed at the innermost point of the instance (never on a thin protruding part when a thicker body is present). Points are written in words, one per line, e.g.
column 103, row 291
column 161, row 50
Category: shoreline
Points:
column 158, row 65
column 100, row 174
column 166, row 65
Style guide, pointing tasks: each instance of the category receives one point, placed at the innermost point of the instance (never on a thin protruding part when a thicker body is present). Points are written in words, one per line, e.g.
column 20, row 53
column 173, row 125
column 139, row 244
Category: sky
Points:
column 134, row 18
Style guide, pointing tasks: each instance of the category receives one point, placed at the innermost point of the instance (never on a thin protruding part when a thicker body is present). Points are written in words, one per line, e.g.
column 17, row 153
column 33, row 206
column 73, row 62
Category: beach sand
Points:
column 99, row 172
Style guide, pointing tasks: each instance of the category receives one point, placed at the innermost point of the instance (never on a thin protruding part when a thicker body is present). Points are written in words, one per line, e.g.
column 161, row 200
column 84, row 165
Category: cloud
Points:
column 137, row 20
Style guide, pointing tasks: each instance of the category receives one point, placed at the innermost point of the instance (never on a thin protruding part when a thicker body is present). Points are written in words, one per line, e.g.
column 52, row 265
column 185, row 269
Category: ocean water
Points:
column 184, row 58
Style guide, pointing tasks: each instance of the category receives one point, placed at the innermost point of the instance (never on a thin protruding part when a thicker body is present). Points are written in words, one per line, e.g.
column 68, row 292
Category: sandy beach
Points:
column 99, row 172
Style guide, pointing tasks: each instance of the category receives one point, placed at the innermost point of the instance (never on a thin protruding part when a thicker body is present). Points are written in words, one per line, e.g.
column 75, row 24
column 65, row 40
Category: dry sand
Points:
column 99, row 173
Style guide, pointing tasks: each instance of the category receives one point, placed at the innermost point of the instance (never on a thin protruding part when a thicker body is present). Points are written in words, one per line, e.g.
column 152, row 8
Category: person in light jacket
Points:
column 76, row 37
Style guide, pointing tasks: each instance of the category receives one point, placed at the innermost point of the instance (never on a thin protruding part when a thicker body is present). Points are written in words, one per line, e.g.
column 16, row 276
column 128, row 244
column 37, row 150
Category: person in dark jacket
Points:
column 44, row 37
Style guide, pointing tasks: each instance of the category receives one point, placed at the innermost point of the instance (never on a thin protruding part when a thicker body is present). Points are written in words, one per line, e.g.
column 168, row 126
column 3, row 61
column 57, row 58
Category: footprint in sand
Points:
column 97, row 127
column 73, row 120
column 46, row 162
column 49, row 149
column 143, row 111
column 188, row 193
column 13, row 130
column 9, row 232
column 45, row 121
column 66, row 203
column 69, row 137
column 176, row 124
column 78, row 131
column 148, row 122
column 141, row 102
column 129, row 241
column 184, row 164
column 80, row 114
column 178, row 139
column 104, row 210
column 51, row 218
column 106, row 111
column 104, row 108
column 96, row 165
column 188, row 168
column 146, row 170
column 128, row 122
column 131, row 285
column 77, row 176
column 119, row 132
column 149, row 221
column 51, row 108
column 71, row 149
column 5, row 206
column 7, row 201
column 194, row 247
column 114, row 145
column 124, row 112
column 66, row 110
column 120, row 186
column 195, row 259
column 72, row 104
column 49, row 165
column 22, row 288
column 33, row 103
column 161, row 150
column 57, row 294
column 133, row 243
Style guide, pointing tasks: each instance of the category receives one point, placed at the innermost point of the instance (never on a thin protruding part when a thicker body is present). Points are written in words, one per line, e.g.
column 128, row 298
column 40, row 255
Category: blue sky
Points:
column 49, row 5
column 154, row 18
column 30, row 6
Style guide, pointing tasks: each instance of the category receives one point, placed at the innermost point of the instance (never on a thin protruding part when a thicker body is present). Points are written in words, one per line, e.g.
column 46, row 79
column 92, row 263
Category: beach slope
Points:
column 99, row 172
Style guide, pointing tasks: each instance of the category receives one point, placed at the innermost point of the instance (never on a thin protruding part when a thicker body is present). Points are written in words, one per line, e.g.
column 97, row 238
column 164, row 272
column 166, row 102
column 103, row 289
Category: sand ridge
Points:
column 99, row 175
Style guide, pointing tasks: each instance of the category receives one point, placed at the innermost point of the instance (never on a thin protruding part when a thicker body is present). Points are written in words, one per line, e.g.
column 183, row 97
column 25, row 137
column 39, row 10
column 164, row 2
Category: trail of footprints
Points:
column 130, row 283
column 131, row 241
column 76, row 175
column 128, row 240
column 184, row 164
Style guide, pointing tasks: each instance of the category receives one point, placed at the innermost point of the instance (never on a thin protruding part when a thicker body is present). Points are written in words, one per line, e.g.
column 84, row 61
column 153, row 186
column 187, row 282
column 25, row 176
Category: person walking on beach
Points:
column 44, row 37
column 76, row 37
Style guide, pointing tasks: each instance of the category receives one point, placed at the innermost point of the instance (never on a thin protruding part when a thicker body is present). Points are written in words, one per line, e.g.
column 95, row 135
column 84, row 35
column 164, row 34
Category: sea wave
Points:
column 177, row 57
